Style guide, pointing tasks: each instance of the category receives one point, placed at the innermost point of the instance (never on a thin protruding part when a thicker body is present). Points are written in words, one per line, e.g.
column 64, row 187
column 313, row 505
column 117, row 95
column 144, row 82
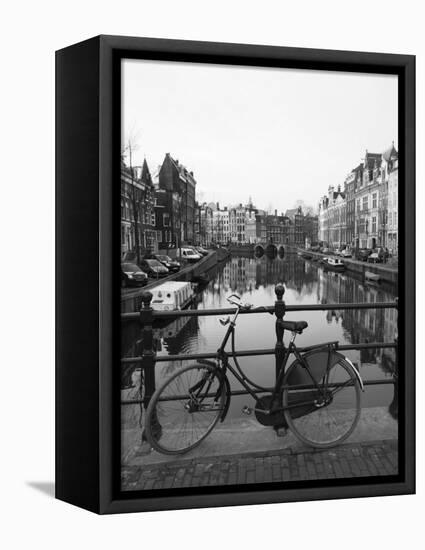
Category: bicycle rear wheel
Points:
column 185, row 408
column 325, row 416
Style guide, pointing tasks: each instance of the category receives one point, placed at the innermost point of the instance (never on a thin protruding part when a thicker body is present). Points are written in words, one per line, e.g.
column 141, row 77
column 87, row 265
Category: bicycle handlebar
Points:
column 236, row 300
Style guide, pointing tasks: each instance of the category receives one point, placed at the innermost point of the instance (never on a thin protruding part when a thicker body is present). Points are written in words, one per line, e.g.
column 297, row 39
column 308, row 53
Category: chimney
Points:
column 191, row 173
column 275, row 212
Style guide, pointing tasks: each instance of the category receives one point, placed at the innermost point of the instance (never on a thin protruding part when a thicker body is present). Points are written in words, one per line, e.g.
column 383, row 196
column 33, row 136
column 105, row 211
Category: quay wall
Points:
column 132, row 301
column 242, row 249
column 388, row 274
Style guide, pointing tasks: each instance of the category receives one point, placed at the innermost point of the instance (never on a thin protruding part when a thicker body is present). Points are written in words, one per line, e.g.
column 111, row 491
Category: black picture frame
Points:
column 87, row 278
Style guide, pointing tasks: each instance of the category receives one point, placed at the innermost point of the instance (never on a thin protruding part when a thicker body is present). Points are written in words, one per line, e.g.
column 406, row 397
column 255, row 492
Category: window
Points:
column 166, row 220
column 395, row 220
column 374, row 224
column 374, row 201
column 390, row 219
column 365, row 203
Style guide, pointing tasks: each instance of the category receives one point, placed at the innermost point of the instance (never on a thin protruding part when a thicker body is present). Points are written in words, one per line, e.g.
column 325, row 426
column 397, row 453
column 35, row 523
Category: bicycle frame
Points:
column 223, row 357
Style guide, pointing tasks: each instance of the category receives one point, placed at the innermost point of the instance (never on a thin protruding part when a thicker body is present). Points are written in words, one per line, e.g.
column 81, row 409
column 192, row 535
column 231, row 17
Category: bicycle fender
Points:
column 356, row 372
column 228, row 395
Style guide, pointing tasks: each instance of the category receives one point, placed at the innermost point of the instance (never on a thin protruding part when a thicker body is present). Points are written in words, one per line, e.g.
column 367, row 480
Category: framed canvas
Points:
column 235, row 274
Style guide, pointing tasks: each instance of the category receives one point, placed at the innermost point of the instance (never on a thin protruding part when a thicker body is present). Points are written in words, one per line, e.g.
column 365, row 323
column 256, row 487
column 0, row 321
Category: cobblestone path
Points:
column 351, row 460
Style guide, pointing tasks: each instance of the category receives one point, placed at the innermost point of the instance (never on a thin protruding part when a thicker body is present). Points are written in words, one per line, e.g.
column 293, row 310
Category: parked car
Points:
column 189, row 255
column 346, row 253
column 375, row 258
column 325, row 251
column 383, row 253
column 201, row 250
column 169, row 263
column 154, row 268
column 315, row 248
column 132, row 275
column 363, row 254
column 337, row 251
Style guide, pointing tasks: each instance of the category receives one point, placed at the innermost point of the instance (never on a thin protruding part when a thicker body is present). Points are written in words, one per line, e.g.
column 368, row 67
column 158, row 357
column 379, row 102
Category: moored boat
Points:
column 334, row 264
column 172, row 296
column 305, row 254
column 374, row 277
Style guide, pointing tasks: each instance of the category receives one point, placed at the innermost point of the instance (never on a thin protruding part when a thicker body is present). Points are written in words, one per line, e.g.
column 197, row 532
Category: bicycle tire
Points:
column 164, row 434
column 310, row 422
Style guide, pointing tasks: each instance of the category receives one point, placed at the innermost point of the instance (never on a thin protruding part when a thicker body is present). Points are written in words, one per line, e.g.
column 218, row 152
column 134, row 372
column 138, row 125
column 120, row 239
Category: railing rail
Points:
column 148, row 359
column 267, row 309
column 251, row 353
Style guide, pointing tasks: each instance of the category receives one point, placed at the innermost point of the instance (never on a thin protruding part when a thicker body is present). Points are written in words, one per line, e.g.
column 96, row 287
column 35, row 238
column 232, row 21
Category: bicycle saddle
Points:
column 295, row 326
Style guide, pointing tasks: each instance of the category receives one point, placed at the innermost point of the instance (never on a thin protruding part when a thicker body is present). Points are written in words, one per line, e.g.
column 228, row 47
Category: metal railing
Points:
column 148, row 359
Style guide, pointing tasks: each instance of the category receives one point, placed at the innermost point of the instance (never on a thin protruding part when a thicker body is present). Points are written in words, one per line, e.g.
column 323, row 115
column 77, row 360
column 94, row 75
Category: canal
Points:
column 254, row 280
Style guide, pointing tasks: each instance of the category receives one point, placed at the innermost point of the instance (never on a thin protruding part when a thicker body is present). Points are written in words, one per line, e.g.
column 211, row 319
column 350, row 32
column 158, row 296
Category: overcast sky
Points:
column 277, row 135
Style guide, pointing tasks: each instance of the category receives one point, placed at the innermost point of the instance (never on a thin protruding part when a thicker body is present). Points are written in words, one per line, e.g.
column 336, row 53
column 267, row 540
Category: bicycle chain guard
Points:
column 276, row 419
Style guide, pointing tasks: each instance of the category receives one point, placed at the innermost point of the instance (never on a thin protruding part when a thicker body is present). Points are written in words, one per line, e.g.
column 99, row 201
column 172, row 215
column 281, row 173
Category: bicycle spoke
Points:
column 336, row 412
column 185, row 422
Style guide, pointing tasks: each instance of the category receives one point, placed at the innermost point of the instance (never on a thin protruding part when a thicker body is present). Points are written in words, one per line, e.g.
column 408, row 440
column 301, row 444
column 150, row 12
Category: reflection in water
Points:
column 254, row 280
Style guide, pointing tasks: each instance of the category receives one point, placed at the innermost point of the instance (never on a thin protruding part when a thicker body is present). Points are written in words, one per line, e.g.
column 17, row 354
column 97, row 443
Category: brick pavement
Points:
column 351, row 460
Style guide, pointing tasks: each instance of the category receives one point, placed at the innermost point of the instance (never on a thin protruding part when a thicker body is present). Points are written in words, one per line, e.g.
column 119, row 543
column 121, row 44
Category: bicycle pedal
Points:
column 281, row 432
column 247, row 410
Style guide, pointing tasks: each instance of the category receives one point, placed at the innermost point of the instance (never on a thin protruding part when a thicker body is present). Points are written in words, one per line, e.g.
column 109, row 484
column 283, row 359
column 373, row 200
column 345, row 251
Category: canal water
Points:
column 254, row 280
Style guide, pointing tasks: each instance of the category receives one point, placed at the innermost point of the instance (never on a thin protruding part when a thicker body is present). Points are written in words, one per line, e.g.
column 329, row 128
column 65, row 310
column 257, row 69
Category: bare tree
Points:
column 136, row 198
column 304, row 207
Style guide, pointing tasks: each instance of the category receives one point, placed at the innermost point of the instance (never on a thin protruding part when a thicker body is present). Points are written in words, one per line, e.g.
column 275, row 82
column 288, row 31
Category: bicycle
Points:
column 318, row 397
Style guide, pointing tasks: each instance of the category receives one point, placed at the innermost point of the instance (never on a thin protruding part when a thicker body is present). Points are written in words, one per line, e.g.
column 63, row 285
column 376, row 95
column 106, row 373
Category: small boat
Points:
column 304, row 254
column 374, row 277
column 172, row 296
column 334, row 264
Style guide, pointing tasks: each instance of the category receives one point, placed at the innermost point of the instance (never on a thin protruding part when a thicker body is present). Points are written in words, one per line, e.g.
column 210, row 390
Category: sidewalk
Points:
column 369, row 458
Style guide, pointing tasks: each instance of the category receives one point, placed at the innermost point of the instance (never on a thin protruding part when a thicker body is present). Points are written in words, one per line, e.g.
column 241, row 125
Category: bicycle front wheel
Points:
column 185, row 409
column 325, row 415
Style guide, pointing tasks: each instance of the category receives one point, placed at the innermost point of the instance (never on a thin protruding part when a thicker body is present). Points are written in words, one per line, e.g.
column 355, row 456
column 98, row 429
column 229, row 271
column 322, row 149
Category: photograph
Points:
column 259, row 251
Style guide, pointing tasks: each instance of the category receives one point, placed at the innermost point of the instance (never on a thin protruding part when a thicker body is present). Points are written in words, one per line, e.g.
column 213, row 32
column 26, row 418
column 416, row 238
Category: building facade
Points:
column 138, row 223
column 205, row 224
column 390, row 222
column 332, row 218
column 177, row 186
column 352, row 183
column 367, row 203
column 365, row 214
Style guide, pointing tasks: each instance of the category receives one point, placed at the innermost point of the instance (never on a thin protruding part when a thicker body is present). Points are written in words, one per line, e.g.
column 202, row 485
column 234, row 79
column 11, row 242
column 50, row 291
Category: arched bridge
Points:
column 271, row 248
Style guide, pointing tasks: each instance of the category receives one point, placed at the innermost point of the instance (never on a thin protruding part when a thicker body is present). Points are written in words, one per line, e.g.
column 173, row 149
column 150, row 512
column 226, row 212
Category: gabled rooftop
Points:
column 390, row 153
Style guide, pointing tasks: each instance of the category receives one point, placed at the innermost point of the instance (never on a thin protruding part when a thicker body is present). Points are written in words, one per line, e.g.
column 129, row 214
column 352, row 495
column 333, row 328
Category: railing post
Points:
column 279, row 310
column 148, row 353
